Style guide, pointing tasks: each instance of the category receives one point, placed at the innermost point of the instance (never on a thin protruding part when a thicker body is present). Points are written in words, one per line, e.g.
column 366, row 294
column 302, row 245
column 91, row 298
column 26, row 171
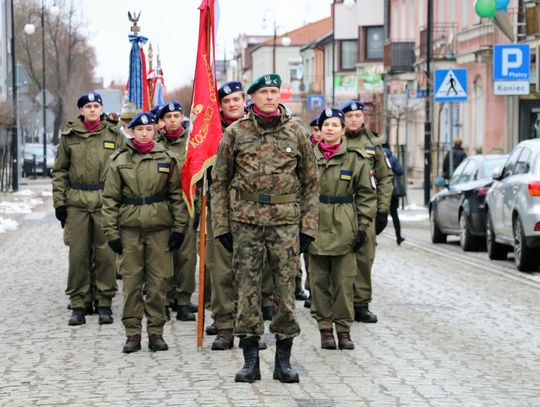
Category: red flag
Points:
column 205, row 132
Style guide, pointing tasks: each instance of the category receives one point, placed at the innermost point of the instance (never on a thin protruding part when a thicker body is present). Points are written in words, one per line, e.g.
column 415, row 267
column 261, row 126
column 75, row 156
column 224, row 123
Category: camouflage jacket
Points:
column 276, row 159
column 136, row 175
column 346, row 174
column 366, row 141
column 83, row 158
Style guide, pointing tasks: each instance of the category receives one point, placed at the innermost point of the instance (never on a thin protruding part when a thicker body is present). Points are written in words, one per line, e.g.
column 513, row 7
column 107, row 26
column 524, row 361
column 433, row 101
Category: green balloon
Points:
column 486, row 8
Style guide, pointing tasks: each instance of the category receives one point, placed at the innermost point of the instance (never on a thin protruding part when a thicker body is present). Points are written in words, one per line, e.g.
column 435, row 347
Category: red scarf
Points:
column 91, row 126
column 143, row 148
column 329, row 151
column 313, row 140
column 173, row 135
column 265, row 116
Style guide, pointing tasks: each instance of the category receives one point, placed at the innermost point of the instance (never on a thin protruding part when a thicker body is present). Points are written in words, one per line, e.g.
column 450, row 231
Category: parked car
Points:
column 459, row 208
column 513, row 207
column 29, row 151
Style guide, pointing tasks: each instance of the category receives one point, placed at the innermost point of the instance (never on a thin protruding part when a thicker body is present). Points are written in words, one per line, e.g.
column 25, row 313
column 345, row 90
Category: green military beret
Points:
column 272, row 80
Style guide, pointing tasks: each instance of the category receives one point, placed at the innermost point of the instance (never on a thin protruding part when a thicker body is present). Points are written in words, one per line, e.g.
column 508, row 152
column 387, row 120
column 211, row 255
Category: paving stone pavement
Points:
column 449, row 335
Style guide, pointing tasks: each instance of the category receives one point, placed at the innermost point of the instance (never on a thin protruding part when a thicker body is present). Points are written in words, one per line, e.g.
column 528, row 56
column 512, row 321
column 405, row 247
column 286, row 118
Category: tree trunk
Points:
column 58, row 117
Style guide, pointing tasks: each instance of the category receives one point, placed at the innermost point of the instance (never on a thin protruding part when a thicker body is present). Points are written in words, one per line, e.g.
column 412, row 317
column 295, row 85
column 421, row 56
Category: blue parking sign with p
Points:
column 511, row 62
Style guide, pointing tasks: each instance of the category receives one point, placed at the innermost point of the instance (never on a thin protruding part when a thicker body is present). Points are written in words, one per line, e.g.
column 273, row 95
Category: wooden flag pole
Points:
column 202, row 247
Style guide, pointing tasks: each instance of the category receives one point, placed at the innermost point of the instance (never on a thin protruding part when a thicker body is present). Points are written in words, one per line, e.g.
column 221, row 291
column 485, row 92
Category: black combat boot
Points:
column 212, row 329
column 105, row 316
column 363, row 314
column 184, row 313
column 156, row 343
column 77, row 317
column 193, row 308
column 224, row 340
column 251, row 370
column 345, row 341
column 133, row 344
column 267, row 313
column 300, row 295
column 88, row 309
column 282, row 368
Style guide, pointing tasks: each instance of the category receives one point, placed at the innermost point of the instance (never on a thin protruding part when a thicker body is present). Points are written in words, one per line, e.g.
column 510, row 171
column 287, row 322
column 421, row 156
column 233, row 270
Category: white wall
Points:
column 262, row 61
column 364, row 13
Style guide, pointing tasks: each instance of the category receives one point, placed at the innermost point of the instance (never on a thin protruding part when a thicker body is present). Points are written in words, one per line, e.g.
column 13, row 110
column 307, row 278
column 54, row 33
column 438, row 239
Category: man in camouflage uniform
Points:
column 182, row 285
column 360, row 137
column 81, row 164
column 265, row 209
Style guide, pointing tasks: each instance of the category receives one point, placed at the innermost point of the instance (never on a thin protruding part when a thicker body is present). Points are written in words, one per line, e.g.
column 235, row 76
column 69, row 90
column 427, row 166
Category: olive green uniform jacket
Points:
column 346, row 174
column 134, row 175
column 83, row 158
column 369, row 143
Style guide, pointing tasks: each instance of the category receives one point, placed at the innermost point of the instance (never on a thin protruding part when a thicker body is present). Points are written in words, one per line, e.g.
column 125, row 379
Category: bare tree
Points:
column 67, row 54
column 402, row 113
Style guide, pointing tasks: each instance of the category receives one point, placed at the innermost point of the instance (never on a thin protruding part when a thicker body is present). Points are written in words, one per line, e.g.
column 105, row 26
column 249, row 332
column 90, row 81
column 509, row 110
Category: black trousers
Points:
column 394, row 205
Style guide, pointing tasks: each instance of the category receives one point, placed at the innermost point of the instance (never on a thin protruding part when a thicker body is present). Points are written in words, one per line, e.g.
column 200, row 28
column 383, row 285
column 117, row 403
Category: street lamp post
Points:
column 286, row 41
column 14, row 129
column 30, row 29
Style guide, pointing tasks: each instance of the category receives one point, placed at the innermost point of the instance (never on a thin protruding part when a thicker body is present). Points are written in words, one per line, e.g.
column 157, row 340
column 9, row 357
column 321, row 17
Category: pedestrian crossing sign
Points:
column 450, row 85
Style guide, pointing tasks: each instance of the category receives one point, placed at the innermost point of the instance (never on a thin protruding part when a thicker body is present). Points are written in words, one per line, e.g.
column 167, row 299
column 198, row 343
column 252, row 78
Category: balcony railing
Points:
column 443, row 41
column 399, row 56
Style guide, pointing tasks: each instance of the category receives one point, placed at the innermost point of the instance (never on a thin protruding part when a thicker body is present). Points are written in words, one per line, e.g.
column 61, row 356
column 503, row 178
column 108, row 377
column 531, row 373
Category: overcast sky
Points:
column 172, row 25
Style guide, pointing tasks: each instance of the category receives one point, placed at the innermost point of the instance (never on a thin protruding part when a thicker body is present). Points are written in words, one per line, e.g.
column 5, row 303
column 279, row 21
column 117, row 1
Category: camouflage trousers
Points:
column 364, row 262
column 278, row 247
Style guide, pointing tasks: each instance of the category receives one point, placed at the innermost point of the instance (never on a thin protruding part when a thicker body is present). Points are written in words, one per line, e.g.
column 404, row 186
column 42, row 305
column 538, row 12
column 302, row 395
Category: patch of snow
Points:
column 46, row 193
column 7, row 225
column 24, row 192
column 19, row 207
column 406, row 217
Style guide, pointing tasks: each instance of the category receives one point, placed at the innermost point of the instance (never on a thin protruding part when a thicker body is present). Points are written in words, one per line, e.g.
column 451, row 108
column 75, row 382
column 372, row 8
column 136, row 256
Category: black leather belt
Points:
column 145, row 200
column 331, row 199
column 266, row 198
column 87, row 187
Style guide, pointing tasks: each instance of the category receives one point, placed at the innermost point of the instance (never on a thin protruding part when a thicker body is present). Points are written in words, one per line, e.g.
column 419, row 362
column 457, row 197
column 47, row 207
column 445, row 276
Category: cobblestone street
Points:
column 449, row 334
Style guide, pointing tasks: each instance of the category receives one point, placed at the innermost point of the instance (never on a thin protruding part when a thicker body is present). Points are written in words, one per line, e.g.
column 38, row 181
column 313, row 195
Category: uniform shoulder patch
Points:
column 345, row 175
column 164, row 167
column 117, row 153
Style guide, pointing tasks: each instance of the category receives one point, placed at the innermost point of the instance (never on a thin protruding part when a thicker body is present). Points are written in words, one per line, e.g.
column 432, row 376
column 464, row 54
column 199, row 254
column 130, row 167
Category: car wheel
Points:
column 467, row 241
column 524, row 257
column 495, row 251
column 436, row 235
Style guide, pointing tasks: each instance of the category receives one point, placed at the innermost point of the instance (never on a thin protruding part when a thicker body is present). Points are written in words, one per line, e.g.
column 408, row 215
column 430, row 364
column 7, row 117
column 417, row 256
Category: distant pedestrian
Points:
column 458, row 155
column 397, row 192
column 145, row 220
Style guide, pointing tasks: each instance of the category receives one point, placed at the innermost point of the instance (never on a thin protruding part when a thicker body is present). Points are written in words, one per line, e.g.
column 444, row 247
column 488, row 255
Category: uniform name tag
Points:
column 109, row 145
column 369, row 150
column 164, row 167
column 345, row 175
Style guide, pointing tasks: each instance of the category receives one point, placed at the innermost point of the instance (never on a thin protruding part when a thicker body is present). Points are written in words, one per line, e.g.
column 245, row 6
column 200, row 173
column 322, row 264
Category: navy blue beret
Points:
column 172, row 106
column 89, row 97
column 142, row 118
column 352, row 106
column 155, row 110
column 328, row 113
column 314, row 122
column 229, row 87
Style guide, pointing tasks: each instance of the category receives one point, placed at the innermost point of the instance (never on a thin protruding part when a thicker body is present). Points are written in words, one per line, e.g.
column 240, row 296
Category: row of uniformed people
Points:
column 227, row 94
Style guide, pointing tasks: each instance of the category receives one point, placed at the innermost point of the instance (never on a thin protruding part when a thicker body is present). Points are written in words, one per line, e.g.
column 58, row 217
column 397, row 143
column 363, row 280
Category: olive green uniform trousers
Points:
column 145, row 260
column 364, row 262
column 89, row 254
column 331, row 283
column 182, row 284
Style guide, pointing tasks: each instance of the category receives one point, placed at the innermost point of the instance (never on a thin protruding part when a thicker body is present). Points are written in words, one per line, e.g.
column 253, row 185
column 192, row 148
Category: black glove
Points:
column 359, row 241
column 305, row 240
column 61, row 214
column 176, row 240
column 115, row 245
column 381, row 220
column 226, row 241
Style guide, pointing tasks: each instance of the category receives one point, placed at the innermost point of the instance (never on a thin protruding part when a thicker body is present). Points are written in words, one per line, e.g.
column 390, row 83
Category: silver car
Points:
column 513, row 207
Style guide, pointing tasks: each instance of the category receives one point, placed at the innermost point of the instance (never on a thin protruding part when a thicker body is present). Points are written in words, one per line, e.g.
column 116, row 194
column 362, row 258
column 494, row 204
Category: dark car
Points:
column 459, row 208
column 33, row 159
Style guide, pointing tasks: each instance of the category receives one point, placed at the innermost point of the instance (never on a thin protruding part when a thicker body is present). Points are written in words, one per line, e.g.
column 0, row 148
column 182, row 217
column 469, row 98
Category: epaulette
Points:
column 358, row 150
column 117, row 153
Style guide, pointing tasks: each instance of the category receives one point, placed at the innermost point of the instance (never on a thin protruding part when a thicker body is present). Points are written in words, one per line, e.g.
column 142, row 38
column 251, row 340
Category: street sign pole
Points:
column 427, row 125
